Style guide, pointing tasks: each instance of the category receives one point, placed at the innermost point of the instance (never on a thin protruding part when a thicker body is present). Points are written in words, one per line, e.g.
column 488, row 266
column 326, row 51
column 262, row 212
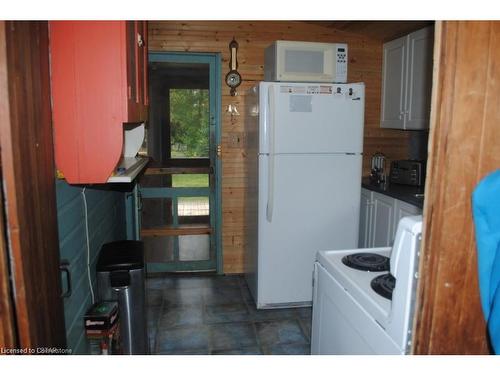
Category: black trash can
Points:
column 120, row 277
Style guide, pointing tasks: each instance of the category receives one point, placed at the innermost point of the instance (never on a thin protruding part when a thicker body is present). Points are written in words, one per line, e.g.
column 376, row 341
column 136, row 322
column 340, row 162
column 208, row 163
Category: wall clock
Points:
column 233, row 78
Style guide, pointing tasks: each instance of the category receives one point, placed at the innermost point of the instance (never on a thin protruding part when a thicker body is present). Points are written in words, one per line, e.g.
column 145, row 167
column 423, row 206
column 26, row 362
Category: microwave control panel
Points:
column 341, row 62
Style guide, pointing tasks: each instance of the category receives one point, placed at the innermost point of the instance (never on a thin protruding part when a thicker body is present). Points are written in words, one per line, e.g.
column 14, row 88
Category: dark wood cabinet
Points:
column 98, row 83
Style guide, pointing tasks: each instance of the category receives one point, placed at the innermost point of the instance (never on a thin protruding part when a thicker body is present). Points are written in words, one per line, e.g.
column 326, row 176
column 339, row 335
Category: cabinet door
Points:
column 145, row 80
column 383, row 218
column 365, row 219
column 419, row 82
column 402, row 209
column 132, row 68
column 137, row 64
column 393, row 84
column 90, row 97
column 139, row 55
column 142, row 68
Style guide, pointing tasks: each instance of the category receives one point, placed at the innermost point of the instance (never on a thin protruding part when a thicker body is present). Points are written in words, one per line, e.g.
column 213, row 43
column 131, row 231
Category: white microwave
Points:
column 286, row 61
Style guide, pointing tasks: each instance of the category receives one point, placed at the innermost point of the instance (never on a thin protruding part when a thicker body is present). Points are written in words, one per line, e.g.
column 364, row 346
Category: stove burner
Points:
column 367, row 262
column 383, row 285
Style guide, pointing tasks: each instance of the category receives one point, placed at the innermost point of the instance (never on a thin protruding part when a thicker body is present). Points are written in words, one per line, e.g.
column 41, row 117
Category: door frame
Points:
column 36, row 316
column 464, row 93
column 214, row 61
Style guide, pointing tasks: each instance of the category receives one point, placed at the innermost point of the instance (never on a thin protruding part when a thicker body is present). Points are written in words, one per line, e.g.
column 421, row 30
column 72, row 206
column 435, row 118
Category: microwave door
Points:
column 288, row 61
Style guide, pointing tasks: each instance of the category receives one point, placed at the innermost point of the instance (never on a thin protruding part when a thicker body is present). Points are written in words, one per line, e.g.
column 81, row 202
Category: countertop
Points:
column 404, row 193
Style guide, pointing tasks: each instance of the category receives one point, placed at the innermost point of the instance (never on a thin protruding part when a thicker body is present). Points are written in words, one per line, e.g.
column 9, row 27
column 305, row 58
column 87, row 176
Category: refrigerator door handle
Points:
column 270, row 189
column 271, row 114
column 270, row 170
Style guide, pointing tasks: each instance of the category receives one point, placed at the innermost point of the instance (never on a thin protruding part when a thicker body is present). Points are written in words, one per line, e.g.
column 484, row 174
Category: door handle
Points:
column 270, row 175
column 64, row 267
column 139, row 198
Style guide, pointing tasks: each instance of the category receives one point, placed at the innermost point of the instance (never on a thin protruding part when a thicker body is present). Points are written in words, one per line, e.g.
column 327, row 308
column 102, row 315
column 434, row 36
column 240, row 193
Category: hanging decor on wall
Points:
column 233, row 78
column 232, row 111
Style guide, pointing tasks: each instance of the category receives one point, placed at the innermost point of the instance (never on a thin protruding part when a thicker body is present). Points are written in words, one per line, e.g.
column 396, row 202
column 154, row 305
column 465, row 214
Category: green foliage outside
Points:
column 190, row 180
column 189, row 123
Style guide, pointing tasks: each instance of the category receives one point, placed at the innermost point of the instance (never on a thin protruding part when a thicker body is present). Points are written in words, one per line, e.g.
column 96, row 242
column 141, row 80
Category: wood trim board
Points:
column 464, row 147
column 27, row 156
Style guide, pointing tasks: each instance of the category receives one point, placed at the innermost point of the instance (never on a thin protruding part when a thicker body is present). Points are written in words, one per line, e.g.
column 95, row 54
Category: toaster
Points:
column 407, row 172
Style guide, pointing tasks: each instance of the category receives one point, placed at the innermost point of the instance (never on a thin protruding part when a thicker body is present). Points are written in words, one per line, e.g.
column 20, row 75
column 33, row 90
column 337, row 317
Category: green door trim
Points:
column 214, row 61
column 149, row 192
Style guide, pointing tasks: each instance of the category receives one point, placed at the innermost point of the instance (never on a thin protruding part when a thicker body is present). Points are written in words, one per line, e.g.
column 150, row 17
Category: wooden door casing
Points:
column 27, row 156
column 7, row 331
column 464, row 146
column 7, row 325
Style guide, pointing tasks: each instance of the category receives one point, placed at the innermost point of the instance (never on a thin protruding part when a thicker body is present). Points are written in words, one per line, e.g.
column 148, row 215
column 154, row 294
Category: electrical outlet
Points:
column 236, row 140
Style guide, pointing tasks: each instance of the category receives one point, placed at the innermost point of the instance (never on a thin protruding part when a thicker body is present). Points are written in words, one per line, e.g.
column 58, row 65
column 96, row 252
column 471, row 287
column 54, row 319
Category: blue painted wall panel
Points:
column 107, row 222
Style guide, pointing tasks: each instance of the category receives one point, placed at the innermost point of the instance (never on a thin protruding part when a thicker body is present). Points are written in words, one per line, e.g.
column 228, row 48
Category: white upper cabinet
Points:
column 418, row 92
column 407, row 81
column 393, row 84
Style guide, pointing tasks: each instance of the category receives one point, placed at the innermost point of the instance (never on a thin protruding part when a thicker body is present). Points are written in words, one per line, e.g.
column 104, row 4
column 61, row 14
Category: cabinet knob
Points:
column 140, row 40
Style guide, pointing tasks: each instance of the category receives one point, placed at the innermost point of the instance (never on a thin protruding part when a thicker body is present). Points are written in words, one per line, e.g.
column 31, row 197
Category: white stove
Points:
column 349, row 316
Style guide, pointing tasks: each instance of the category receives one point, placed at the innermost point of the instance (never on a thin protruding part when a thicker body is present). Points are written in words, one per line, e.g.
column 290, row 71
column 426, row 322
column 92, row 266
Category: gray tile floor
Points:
column 200, row 314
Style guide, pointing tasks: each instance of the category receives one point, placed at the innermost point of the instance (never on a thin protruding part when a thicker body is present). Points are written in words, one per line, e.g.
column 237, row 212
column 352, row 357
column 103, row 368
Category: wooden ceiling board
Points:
column 380, row 30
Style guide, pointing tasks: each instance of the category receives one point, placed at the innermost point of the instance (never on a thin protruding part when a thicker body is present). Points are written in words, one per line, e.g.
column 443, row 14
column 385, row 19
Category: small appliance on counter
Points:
column 377, row 172
column 408, row 172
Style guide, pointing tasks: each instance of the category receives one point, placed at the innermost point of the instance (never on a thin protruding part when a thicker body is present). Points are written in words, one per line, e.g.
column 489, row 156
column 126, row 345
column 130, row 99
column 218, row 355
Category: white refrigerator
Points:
column 305, row 144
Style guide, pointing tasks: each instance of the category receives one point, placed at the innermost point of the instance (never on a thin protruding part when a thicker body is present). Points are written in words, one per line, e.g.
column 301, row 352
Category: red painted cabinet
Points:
column 98, row 83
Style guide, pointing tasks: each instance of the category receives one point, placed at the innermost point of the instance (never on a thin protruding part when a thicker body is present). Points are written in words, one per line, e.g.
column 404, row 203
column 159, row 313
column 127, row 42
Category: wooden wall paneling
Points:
column 365, row 64
column 106, row 214
column 28, row 176
column 464, row 147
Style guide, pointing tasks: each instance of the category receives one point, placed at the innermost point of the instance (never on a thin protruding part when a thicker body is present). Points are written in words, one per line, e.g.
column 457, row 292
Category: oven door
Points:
column 340, row 325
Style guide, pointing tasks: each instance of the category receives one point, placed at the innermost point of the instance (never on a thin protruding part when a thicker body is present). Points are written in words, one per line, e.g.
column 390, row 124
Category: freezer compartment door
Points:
column 306, row 203
column 311, row 118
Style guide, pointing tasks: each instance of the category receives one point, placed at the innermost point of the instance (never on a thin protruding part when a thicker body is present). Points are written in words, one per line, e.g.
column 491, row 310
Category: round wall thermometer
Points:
column 233, row 78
